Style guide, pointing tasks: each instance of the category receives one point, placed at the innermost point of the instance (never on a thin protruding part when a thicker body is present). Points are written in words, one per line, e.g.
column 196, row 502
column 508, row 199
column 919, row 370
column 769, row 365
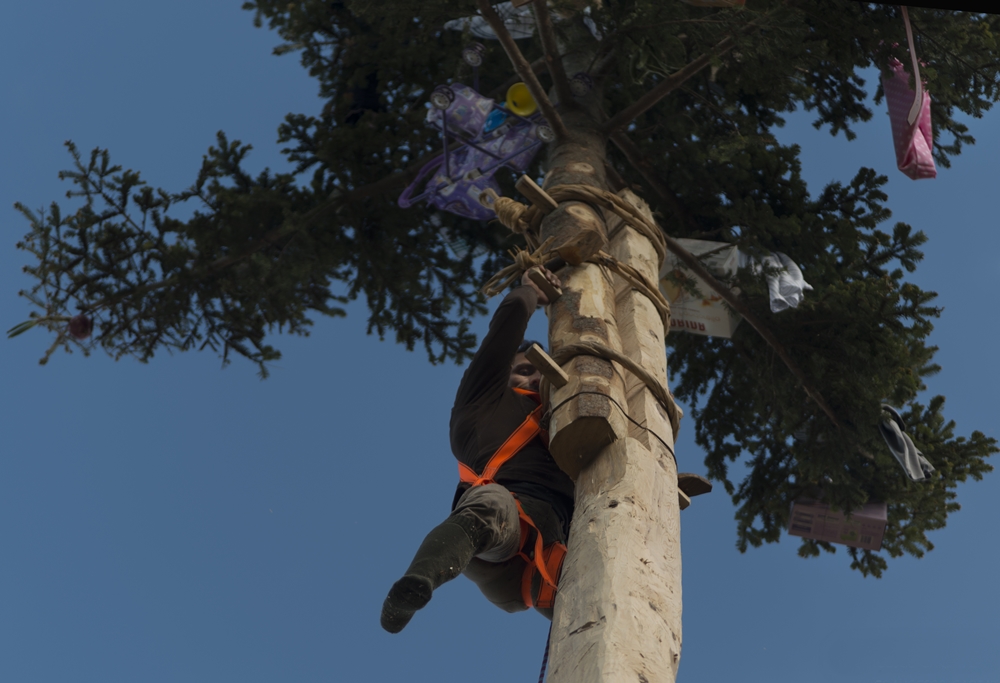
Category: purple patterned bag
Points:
column 460, row 197
column 454, row 181
column 466, row 113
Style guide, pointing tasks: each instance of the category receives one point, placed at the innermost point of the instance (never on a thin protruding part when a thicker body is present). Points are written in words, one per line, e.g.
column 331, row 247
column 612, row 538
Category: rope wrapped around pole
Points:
column 527, row 220
column 660, row 393
column 639, row 283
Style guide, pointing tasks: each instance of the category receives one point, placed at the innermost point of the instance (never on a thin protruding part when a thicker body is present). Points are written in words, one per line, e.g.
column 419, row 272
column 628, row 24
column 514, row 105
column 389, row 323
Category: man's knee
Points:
column 490, row 514
column 499, row 582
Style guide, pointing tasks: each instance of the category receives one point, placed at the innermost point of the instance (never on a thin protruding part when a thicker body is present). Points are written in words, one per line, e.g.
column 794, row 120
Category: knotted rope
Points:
column 526, row 220
column 509, row 211
column 523, row 262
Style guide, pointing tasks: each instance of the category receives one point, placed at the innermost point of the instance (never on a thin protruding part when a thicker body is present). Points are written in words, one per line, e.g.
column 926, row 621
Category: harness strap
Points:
column 538, row 561
column 554, row 556
column 528, row 430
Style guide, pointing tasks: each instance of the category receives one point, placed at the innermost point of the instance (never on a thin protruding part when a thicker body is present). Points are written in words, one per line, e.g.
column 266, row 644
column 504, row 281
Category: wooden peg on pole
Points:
column 536, row 195
column 548, row 367
column 551, row 291
column 693, row 484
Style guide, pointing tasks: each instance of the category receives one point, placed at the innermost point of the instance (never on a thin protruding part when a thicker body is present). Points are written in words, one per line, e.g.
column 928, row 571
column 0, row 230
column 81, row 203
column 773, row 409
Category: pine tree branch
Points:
column 674, row 81
column 550, row 46
column 678, row 78
column 740, row 306
column 387, row 184
column 523, row 68
column 641, row 163
column 951, row 53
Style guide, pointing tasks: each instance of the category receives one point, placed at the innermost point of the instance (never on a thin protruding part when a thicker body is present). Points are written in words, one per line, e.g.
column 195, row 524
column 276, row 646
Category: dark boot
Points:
column 442, row 556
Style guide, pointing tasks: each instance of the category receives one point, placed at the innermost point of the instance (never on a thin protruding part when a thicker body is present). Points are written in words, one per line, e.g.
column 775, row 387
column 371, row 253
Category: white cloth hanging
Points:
column 785, row 283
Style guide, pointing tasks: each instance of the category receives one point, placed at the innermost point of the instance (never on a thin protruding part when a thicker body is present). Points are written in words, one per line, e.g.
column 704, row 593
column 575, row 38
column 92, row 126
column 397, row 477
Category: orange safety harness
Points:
column 546, row 560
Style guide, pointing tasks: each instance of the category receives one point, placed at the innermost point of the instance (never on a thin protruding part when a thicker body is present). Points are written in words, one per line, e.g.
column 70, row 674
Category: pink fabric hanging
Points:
column 910, row 115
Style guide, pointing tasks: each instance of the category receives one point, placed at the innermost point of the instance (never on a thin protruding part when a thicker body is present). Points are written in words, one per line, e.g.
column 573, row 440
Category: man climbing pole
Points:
column 511, row 546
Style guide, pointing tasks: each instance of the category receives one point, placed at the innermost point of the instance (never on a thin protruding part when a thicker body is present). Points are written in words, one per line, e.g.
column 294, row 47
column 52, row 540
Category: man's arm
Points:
column 489, row 369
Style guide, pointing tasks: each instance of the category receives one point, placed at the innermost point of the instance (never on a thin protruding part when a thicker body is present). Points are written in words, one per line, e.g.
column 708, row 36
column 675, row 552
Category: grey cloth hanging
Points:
column 785, row 284
column 893, row 430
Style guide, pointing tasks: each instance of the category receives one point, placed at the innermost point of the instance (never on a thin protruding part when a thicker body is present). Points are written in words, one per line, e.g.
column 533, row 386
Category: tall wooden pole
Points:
column 618, row 612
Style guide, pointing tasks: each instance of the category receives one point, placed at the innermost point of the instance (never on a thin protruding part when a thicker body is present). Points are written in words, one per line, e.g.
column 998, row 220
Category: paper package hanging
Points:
column 694, row 306
column 910, row 115
column 817, row 520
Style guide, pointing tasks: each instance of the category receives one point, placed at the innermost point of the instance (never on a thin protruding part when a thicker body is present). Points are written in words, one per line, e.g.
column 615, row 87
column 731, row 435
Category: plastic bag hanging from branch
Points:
column 910, row 115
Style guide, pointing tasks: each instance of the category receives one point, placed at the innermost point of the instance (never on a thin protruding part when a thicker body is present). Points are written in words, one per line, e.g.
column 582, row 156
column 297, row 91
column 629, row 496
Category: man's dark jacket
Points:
column 487, row 411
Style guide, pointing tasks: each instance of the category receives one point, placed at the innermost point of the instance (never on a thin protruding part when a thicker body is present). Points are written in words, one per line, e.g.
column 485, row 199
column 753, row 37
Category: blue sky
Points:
column 179, row 522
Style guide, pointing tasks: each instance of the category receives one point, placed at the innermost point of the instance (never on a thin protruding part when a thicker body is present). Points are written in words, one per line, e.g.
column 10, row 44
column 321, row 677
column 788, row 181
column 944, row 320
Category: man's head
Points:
column 524, row 375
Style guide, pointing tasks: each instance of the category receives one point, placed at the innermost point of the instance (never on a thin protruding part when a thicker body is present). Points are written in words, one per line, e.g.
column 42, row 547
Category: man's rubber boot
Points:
column 442, row 556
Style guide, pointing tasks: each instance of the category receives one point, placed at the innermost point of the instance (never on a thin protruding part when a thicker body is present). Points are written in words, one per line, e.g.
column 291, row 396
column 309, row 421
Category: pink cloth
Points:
column 910, row 114
column 914, row 142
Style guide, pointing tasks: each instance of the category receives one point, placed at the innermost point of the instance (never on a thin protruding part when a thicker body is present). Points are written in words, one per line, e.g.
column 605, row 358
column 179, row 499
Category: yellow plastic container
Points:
column 520, row 101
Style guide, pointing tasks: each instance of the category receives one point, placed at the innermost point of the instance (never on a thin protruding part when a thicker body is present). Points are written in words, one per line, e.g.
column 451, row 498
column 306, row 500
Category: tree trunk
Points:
column 618, row 611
